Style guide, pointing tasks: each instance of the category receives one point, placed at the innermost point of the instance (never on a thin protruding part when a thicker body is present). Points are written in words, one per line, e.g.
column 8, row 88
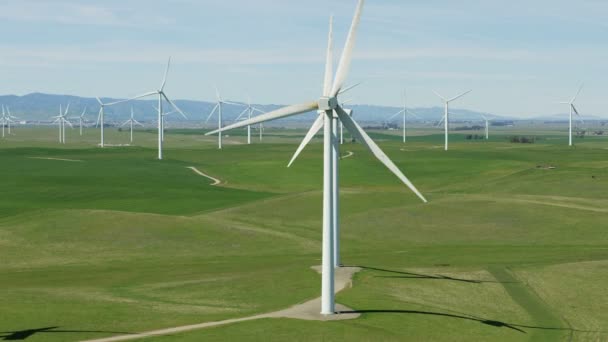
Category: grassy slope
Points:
column 101, row 246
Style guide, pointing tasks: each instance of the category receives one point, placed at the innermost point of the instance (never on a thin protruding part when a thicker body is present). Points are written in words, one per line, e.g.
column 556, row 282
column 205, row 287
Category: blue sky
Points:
column 519, row 57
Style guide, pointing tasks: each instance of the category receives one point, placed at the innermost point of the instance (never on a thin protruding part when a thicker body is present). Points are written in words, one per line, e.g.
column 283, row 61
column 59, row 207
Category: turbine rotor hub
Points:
column 327, row 103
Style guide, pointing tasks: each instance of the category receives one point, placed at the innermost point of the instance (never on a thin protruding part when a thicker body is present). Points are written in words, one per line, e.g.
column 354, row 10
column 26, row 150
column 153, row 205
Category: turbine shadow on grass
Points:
column 412, row 275
column 21, row 335
column 498, row 324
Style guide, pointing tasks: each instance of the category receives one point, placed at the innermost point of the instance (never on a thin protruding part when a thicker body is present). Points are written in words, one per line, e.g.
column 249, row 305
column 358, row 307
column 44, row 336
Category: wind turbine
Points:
column 329, row 112
column 101, row 117
column 61, row 119
column 7, row 119
column 572, row 110
column 446, row 115
column 249, row 111
column 3, row 120
column 218, row 108
column 162, row 132
column 405, row 111
column 487, row 126
column 130, row 122
column 161, row 95
column 81, row 119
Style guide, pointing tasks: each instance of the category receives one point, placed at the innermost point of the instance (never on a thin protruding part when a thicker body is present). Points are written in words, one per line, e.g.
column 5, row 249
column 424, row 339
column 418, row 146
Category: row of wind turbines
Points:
column 330, row 112
column 445, row 119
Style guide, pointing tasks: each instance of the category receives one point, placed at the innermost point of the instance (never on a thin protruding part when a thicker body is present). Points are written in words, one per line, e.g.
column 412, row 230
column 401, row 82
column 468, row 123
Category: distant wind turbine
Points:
column 249, row 110
column 161, row 95
column 61, row 120
column 218, row 108
column 329, row 113
column 405, row 111
column 446, row 115
column 81, row 119
column 131, row 122
column 487, row 121
column 572, row 110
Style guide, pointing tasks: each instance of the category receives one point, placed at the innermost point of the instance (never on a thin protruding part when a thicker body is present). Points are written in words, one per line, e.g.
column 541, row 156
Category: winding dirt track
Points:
column 348, row 155
column 60, row 159
column 306, row 311
column 200, row 173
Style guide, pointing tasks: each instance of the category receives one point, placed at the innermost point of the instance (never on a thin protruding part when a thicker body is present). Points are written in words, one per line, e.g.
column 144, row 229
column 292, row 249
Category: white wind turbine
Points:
column 162, row 132
column 3, row 120
column 405, row 111
column 250, row 110
column 81, row 119
column 101, row 117
column 572, row 110
column 330, row 112
column 446, row 115
column 61, row 120
column 487, row 121
column 161, row 95
column 131, row 122
column 7, row 119
column 218, row 108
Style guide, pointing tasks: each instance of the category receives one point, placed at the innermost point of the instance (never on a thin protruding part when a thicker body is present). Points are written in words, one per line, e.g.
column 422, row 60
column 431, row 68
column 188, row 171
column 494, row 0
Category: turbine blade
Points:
column 258, row 110
column 132, row 98
column 98, row 118
column 314, row 129
column 358, row 132
column 459, row 96
column 175, row 106
column 441, row 97
column 138, row 123
column 242, row 113
column 392, row 116
column 99, row 100
column 69, row 123
column 577, row 93
column 440, row 121
column 349, row 88
column 414, row 114
column 212, row 112
column 66, row 109
column 162, row 85
column 346, row 58
column 83, row 112
column 232, row 103
column 575, row 110
column 126, row 123
column 329, row 67
column 277, row 114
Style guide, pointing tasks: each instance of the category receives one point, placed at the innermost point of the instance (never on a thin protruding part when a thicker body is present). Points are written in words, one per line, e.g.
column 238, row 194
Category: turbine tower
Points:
column 572, row 110
column 218, row 108
column 161, row 95
column 81, row 119
column 405, row 111
column 61, row 119
column 250, row 110
column 329, row 112
column 131, row 122
column 487, row 121
column 446, row 115
column 3, row 120
column 9, row 119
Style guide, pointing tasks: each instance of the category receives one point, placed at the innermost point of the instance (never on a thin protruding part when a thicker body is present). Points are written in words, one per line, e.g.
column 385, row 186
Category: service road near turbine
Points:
column 60, row 159
column 200, row 173
column 306, row 311
column 348, row 155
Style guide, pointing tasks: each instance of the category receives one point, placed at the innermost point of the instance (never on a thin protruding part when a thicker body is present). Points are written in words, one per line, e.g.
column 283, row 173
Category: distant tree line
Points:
column 474, row 137
column 515, row 139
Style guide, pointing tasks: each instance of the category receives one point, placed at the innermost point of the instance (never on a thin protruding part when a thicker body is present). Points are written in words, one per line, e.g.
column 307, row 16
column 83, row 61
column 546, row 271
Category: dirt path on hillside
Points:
column 348, row 154
column 306, row 311
column 200, row 173
column 60, row 159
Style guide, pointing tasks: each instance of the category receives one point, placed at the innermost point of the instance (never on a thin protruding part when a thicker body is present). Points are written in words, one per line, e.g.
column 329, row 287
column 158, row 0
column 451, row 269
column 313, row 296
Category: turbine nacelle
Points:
column 327, row 103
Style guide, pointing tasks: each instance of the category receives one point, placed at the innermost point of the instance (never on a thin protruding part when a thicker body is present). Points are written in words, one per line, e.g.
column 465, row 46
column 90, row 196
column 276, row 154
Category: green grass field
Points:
column 512, row 246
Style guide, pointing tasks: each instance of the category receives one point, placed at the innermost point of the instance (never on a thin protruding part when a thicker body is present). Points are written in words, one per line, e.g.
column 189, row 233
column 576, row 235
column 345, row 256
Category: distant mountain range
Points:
column 41, row 107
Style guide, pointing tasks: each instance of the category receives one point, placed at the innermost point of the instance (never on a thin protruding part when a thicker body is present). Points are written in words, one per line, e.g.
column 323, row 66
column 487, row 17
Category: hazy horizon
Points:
column 519, row 59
